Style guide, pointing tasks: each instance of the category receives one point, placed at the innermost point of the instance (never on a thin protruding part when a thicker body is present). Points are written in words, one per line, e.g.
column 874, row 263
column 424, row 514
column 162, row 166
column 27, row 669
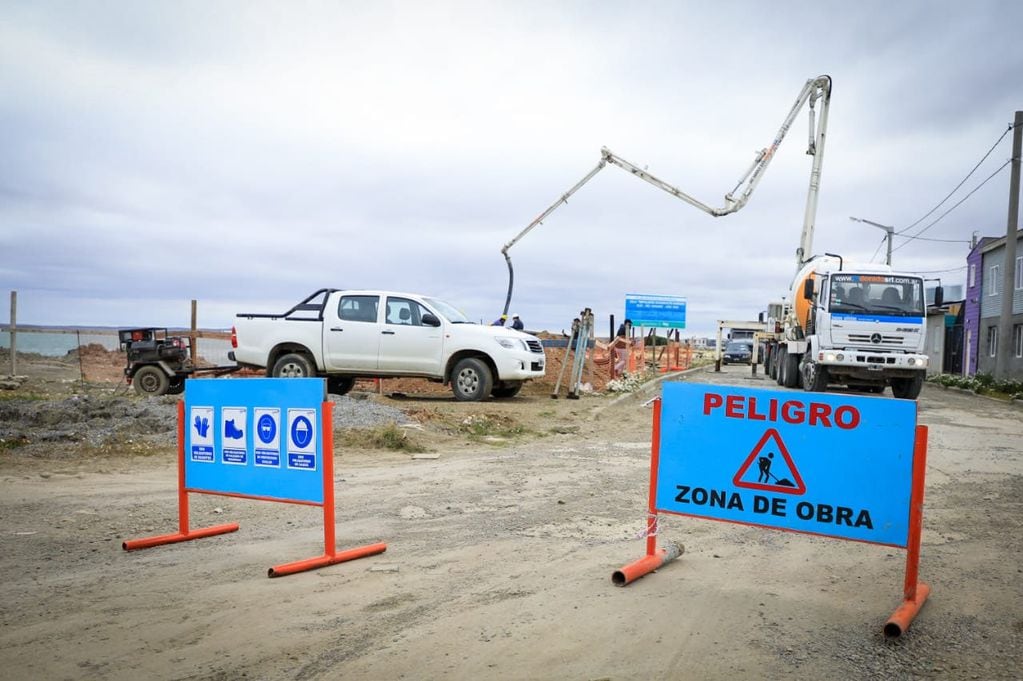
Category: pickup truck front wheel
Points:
column 471, row 380
column 293, row 365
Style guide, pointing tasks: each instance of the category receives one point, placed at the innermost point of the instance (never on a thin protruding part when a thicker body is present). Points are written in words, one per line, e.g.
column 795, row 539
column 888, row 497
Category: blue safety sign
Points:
column 820, row 463
column 240, row 432
column 268, row 441
column 234, row 450
column 201, row 440
column 301, row 440
column 655, row 311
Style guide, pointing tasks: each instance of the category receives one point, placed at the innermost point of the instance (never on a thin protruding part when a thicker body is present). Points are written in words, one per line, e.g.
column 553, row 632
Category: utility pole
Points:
column 888, row 229
column 1005, row 348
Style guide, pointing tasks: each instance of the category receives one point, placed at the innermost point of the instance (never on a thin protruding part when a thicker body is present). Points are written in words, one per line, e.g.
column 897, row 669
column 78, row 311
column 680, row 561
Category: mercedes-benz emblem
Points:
column 875, row 338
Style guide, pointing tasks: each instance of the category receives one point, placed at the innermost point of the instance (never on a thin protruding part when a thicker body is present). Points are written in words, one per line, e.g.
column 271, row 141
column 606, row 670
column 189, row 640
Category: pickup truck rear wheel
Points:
column 509, row 389
column 471, row 380
column 293, row 365
column 340, row 385
column 150, row 381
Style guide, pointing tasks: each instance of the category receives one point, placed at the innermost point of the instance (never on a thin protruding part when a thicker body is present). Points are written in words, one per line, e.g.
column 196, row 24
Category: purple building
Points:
column 971, row 306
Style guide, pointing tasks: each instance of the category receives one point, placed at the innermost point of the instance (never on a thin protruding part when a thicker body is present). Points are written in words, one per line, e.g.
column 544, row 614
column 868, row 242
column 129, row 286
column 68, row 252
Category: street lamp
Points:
column 886, row 228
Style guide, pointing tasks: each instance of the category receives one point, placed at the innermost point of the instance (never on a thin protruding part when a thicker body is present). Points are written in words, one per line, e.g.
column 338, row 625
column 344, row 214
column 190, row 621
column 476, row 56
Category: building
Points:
column 983, row 308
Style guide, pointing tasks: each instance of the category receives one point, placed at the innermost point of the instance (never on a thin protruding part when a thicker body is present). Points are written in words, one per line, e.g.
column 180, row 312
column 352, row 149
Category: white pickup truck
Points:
column 344, row 335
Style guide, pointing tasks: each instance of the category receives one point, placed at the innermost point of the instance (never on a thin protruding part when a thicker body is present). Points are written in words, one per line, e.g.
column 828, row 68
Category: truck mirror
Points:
column 430, row 319
column 808, row 288
column 760, row 317
column 939, row 296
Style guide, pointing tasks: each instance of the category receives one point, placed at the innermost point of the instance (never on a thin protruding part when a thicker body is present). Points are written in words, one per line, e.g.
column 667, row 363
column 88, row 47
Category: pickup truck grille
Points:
column 535, row 346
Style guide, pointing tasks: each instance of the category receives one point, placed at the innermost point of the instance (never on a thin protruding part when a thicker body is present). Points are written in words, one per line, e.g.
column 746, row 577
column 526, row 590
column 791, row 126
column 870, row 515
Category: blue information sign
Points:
column 656, row 311
column 235, row 437
column 835, row 465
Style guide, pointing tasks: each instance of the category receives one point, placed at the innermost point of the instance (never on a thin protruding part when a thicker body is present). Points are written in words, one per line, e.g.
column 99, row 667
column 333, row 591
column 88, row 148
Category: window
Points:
column 973, row 275
column 992, row 283
column 1019, row 273
column 992, row 341
column 404, row 312
column 358, row 308
column 1017, row 339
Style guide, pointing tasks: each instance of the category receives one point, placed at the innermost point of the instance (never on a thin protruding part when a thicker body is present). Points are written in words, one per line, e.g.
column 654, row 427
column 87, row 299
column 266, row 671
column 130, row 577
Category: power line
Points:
column 924, row 217
column 959, row 203
column 954, row 269
column 878, row 249
column 947, row 241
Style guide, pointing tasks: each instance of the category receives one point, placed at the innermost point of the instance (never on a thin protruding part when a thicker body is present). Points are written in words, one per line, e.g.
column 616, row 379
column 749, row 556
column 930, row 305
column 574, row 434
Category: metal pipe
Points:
column 905, row 613
column 160, row 540
column 914, row 593
column 646, row 564
column 325, row 560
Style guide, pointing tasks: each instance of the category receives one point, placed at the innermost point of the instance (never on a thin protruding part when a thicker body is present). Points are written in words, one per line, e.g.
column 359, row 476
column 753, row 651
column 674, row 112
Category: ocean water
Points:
column 51, row 344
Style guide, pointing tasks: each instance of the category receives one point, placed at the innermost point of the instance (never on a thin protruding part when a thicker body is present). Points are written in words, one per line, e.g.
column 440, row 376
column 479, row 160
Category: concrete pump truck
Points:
column 861, row 326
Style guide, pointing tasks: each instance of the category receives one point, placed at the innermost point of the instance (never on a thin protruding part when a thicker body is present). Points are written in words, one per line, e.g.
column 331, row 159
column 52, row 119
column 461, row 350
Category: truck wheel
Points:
column 340, row 385
column 471, row 380
column 815, row 377
column 293, row 365
column 505, row 390
column 772, row 363
column 176, row 387
column 789, row 369
column 779, row 365
column 150, row 381
column 908, row 388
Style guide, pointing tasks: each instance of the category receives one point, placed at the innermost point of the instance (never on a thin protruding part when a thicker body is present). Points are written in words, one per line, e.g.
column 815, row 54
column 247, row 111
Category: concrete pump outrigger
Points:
column 818, row 88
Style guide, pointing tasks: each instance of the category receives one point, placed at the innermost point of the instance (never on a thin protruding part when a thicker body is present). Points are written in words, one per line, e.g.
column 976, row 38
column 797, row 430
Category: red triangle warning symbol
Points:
column 765, row 479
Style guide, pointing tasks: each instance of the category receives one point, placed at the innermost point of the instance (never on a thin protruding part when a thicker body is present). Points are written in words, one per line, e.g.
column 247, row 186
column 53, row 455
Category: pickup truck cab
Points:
column 347, row 334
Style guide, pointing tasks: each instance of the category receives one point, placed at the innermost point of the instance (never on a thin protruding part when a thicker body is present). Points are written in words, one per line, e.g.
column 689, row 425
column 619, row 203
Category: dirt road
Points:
column 498, row 564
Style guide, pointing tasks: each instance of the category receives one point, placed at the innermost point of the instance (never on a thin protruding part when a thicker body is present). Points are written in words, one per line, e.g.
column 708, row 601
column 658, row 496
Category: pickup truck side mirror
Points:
column 429, row 319
column 939, row 296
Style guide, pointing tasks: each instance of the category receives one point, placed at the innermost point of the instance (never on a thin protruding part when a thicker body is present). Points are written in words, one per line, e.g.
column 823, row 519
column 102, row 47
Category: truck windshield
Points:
column 448, row 311
column 877, row 294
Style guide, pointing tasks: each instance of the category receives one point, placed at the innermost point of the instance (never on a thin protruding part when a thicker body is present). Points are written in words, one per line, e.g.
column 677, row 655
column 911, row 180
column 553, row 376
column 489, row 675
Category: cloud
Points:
column 245, row 155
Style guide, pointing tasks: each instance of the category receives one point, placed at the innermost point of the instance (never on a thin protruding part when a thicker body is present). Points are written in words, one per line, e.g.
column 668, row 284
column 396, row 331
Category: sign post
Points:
column 263, row 438
column 840, row 466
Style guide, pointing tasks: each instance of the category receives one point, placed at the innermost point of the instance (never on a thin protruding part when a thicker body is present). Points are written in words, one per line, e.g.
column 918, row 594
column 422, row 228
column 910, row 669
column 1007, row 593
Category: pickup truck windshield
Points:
column 448, row 311
column 877, row 294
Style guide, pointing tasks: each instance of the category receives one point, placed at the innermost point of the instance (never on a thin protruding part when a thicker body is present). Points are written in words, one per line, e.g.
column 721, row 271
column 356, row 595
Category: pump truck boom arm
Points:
column 814, row 89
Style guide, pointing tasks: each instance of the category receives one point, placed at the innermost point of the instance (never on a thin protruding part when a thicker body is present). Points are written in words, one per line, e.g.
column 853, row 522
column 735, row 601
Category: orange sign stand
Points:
column 915, row 592
column 330, row 555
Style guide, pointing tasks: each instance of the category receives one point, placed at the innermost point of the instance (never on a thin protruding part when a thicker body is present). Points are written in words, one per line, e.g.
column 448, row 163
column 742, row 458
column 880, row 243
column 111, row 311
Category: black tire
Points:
column 789, row 369
column 779, row 366
column 506, row 390
column 176, row 387
column 340, row 385
column 815, row 376
column 471, row 380
column 772, row 362
column 908, row 388
column 150, row 381
column 294, row 365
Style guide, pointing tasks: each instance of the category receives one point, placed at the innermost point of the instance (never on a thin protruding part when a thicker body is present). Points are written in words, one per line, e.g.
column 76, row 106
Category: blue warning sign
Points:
column 236, row 439
column 820, row 463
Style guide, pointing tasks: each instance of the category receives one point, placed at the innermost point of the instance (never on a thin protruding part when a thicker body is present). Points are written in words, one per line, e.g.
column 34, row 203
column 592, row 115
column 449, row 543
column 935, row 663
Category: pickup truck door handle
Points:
column 336, row 328
column 387, row 333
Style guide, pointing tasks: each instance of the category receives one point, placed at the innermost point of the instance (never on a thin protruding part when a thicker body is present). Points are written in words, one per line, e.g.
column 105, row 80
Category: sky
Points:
column 245, row 154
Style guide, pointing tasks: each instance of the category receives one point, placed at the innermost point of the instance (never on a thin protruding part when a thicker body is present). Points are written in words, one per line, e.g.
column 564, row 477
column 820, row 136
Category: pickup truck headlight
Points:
column 512, row 343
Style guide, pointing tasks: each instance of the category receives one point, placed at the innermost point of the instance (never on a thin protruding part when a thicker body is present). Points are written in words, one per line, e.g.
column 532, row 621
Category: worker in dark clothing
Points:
column 500, row 320
column 625, row 329
column 517, row 323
